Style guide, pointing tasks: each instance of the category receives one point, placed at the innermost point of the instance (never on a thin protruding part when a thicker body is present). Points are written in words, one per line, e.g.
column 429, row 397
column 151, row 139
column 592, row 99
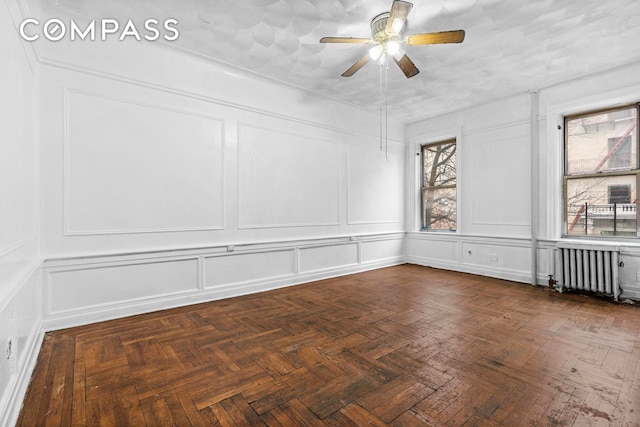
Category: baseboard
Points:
column 489, row 271
column 130, row 308
column 12, row 404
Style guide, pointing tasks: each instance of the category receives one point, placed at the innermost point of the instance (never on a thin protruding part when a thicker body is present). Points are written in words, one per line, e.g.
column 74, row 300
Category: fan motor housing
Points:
column 378, row 26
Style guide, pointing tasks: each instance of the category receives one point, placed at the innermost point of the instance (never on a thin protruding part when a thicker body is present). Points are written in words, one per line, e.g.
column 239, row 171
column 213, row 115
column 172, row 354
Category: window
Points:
column 601, row 173
column 439, row 195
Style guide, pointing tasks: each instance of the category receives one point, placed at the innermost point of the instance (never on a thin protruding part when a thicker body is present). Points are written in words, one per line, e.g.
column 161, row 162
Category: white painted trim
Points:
column 25, row 275
column 555, row 114
column 502, row 126
column 523, row 242
column 19, row 10
column 521, row 276
column 199, row 96
column 14, row 247
column 221, row 248
column 415, row 143
column 400, row 152
column 240, row 226
column 67, row 230
column 128, row 308
column 12, row 403
column 12, row 400
column 627, row 294
column 201, row 293
column 534, row 141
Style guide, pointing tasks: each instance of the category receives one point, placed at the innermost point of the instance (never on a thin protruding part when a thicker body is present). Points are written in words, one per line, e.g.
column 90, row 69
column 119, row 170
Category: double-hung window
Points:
column 439, row 194
column 601, row 173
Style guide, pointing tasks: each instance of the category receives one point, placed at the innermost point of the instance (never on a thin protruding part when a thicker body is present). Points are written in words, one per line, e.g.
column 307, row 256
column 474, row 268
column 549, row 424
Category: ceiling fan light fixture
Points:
column 386, row 37
column 392, row 47
column 396, row 25
column 375, row 52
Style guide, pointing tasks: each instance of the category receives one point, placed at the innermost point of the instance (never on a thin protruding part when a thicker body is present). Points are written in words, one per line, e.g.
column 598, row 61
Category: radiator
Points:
column 587, row 268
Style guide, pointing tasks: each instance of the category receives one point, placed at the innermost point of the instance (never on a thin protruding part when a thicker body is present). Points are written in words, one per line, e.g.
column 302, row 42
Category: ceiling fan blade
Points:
column 355, row 67
column 345, row 40
column 456, row 36
column 407, row 66
column 399, row 11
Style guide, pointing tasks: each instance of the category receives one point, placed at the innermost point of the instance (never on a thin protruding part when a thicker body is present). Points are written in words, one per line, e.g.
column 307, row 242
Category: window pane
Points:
column 439, row 209
column 602, row 206
column 439, row 164
column 602, row 142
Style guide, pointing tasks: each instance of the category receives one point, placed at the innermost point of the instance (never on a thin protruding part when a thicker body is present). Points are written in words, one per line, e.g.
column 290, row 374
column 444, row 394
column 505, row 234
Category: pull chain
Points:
column 384, row 104
column 381, row 102
column 386, row 113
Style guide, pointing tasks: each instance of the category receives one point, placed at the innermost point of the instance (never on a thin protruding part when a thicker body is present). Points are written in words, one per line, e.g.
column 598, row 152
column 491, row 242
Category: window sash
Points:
column 571, row 218
column 446, row 181
column 611, row 173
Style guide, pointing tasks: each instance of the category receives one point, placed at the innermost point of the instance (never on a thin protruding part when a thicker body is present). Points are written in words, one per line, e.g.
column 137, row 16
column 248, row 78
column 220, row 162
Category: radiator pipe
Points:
column 535, row 199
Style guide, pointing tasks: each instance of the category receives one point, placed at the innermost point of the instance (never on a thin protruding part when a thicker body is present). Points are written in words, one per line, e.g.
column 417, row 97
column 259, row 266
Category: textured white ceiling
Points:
column 511, row 46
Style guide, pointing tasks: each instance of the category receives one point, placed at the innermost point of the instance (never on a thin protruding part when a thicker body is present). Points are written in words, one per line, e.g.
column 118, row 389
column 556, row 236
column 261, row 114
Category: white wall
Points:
column 495, row 188
column 137, row 177
column 20, row 275
column 493, row 191
column 168, row 179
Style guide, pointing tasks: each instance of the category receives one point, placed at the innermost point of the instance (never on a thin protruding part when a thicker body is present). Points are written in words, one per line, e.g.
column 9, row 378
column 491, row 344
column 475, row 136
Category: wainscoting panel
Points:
column 286, row 180
column 433, row 248
column 132, row 167
column 98, row 285
column 95, row 288
column 20, row 340
column 239, row 268
column 495, row 257
column 372, row 251
column 327, row 257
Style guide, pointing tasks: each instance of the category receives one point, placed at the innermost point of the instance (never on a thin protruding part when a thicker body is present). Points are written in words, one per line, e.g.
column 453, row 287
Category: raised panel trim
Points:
column 198, row 96
column 241, row 226
column 68, row 231
column 400, row 154
column 48, row 283
column 88, row 314
column 500, row 273
column 292, row 252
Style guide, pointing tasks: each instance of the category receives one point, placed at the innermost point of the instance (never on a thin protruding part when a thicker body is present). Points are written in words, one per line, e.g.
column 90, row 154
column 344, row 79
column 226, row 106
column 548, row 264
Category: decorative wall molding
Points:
column 303, row 137
column 17, row 305
column 200, row 97
column 499, row 127
column 19, row 10
column 210, row 287
column 489, row 151
column 68, row 229
column 399, row 154
column 466, row 258
column 551, row 142
column 499, row 273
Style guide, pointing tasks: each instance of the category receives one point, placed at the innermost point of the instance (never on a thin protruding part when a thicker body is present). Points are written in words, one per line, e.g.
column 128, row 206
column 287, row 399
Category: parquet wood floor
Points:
column 400, row 346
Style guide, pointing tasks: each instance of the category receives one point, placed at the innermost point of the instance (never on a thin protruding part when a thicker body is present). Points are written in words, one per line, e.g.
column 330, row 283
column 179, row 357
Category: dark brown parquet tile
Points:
column 400, row 346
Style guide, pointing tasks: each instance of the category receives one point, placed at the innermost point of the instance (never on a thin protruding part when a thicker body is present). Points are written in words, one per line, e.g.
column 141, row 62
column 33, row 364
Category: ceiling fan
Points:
column 386, row 34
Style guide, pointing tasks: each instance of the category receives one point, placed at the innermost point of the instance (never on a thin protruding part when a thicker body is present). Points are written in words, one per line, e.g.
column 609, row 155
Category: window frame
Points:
column 441, row 141
column 628, row 172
